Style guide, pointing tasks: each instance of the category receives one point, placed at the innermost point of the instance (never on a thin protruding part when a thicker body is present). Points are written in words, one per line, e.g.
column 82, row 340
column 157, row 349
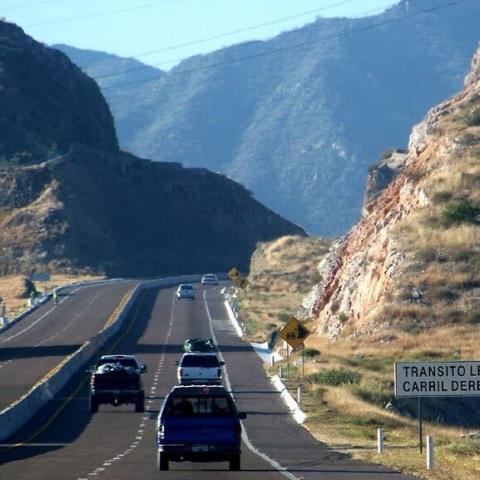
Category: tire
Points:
column 93, row 404
column 162, row 461
column 234, row 463
column 140, row 404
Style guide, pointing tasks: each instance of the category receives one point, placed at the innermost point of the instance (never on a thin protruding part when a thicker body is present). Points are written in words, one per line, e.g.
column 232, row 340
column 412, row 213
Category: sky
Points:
column 156, row 31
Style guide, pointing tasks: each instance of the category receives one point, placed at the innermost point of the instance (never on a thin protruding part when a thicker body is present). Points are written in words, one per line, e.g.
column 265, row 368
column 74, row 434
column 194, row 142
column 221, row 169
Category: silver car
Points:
column 185, row 291
column 209, row 279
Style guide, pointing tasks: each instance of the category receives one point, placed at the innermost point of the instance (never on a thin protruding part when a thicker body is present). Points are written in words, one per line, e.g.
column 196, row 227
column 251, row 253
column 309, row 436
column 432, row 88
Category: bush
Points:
column 473, row 318
column 283, row 316
column 311, row 352
column 335, row 377
column 442, row 196
column 460, row 212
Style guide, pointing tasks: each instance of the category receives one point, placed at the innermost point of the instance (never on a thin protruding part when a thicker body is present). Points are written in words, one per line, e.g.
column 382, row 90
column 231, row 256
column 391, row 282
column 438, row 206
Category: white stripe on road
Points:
column 245, row 438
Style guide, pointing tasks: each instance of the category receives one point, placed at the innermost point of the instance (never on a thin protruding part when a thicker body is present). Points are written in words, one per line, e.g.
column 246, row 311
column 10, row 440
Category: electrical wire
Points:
column 232, row 32
column 169, row 62
column 104, row 14
column 28, row 5
column 292, row 47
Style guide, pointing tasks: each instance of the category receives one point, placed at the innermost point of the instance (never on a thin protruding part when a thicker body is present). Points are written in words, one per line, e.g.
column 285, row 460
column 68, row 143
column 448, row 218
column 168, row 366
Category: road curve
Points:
column 40, row 341
column 67, row 442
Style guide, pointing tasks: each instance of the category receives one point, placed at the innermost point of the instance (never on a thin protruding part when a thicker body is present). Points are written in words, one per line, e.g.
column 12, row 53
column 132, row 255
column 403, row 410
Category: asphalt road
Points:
column 40, row 341
column 67, row 442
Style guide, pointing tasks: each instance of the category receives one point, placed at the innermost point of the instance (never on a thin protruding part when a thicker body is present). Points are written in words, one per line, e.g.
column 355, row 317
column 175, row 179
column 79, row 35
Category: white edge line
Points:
column 245, row 438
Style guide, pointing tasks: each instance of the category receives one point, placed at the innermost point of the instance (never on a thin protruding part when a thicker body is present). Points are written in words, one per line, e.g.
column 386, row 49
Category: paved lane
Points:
column 40, row 341
column 119, row 444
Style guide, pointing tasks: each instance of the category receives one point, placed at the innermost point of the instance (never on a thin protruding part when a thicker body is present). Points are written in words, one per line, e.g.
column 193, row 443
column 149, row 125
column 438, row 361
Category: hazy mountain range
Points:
column 299, row 118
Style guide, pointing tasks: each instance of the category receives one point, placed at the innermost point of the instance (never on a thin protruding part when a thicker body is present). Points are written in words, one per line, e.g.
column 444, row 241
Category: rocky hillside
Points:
column 412, row 262
column 299, row 126
column 70, row 200
column 47, row 103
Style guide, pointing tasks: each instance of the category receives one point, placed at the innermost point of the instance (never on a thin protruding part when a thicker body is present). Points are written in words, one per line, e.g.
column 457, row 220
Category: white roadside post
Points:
column 280, row 372
column 299, row 395
column 380, row 440
column 430, row 458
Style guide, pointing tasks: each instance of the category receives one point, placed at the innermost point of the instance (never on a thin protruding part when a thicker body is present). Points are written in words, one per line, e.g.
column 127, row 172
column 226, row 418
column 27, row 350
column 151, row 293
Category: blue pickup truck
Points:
column 199, row 424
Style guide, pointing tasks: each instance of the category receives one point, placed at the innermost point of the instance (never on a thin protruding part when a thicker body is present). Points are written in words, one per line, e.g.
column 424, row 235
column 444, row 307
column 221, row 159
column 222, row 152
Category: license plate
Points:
column 199, row 448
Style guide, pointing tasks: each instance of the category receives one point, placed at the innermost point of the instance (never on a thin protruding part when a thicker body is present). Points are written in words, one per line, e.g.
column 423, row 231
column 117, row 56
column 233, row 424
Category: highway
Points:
column 36, row 344
column 67, row 442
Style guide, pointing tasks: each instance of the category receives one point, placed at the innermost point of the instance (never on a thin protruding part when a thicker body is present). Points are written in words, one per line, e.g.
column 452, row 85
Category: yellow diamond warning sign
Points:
column 294, row 333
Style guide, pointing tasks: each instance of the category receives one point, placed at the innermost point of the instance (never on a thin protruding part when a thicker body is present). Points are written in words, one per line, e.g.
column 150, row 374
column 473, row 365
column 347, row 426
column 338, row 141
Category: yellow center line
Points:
column 82, row 382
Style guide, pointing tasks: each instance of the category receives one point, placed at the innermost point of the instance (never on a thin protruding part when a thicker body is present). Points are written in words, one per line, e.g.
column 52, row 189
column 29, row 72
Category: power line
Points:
column 144, row 67
column 227, row 34
column 27, row 5
column 293, row 47
column 105, row 14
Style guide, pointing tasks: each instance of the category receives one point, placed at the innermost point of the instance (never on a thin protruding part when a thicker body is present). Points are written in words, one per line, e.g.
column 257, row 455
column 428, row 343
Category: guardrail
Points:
column 24, row 409
column 40, row 300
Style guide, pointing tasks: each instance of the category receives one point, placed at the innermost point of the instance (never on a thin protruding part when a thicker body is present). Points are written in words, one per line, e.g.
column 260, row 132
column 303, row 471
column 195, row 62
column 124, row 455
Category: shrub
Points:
column 443, row 294
column 311, row 352
column 441, row 197
column 335, row 377
column 466, row 447
column 473, row 119
column 473, row 318
column 283, row 316
column 460, row 212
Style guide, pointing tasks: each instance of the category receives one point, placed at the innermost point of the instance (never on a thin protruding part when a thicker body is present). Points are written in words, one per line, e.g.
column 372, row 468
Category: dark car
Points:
column 199, row 424
column 116, row 380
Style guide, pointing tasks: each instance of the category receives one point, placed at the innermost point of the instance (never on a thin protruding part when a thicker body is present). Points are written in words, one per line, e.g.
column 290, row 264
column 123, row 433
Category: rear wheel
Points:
column 162, row 461
column 93, row 404
column 234, row 463
column 140, row 404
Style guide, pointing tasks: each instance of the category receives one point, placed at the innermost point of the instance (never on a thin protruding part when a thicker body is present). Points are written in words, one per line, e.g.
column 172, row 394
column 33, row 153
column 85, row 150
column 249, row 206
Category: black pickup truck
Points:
column 116, row 379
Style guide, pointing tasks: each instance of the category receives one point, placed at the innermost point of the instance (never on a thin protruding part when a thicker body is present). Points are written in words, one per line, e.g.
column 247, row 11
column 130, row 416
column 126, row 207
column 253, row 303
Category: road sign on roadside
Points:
column 437, row 379
column 294, row 333
column 233, row 273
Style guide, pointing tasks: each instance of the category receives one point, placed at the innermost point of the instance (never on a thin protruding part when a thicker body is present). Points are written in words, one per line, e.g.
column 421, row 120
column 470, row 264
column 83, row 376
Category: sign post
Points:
column 295, row 334
column 436, row 379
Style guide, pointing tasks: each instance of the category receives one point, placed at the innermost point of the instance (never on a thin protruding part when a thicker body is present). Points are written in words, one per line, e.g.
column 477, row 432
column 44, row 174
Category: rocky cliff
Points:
column 71, row 201
column 412, row 261
column 299, row 118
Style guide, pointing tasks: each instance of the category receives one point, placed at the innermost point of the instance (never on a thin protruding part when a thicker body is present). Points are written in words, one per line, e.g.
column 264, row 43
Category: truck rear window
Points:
column 207, row 361
column 201, row 405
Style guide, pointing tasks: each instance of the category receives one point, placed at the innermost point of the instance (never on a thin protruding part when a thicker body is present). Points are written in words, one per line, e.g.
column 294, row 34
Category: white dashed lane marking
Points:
column 140, row 432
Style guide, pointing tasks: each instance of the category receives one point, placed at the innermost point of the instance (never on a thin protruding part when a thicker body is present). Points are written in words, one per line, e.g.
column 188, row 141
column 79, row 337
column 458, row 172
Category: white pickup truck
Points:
column 200, row 369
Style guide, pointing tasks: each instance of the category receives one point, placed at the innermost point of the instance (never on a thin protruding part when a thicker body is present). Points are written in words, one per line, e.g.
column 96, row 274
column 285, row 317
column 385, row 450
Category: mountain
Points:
column 72, row 201
column 411, row 263
column 298, row 119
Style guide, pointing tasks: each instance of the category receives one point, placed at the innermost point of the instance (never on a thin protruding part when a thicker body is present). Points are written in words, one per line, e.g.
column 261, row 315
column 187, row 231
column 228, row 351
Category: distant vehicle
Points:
column 200, row 369
column 199, row 345
column 185, row 291
column 209, row 279
column 199, row 424
column 116, row 380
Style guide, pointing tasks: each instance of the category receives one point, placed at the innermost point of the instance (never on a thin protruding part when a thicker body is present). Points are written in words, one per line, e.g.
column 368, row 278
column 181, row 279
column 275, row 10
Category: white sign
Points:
column 437, row 379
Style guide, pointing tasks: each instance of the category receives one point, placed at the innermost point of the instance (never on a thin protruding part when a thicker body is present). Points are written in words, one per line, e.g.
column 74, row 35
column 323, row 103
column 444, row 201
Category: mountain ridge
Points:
column 72, row 202
column 300, row 127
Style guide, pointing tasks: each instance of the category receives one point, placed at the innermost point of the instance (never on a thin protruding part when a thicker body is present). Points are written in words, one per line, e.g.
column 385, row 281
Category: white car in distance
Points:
column 185, row 291
column 209, row 279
